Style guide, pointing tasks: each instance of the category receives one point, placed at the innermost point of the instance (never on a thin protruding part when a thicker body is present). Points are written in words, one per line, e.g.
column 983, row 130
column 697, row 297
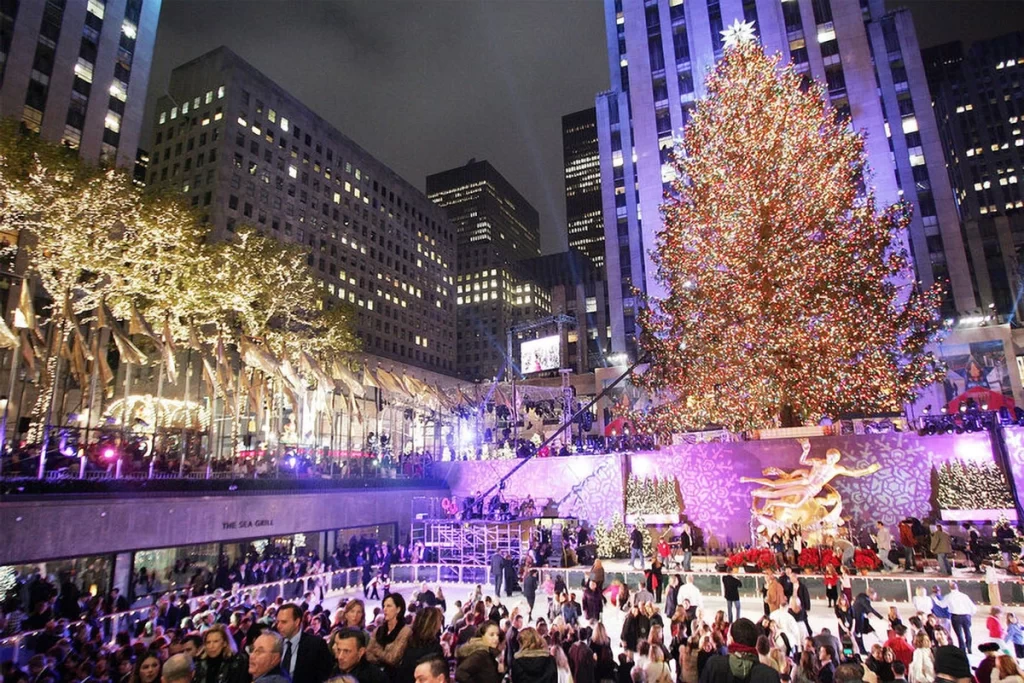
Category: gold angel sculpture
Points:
column 804, row 496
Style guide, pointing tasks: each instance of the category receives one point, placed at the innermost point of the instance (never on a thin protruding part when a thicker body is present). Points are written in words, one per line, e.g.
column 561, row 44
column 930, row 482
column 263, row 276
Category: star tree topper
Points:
column 737, row 33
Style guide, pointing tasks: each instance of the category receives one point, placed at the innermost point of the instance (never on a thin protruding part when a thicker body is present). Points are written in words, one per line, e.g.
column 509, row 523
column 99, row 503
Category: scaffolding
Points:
column 473, row 542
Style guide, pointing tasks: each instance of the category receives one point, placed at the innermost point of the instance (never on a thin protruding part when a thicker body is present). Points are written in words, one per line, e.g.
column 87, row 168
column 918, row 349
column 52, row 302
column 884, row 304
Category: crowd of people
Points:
column 562, row 633
column 34, row 600
column 667, row 636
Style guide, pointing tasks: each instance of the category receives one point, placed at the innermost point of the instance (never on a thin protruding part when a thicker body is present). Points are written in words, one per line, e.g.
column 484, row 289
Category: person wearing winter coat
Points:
column 530, row 590
column 631, row 629
column 478, row 660
column 220, row 661
column 593, row 601
column 533, row 663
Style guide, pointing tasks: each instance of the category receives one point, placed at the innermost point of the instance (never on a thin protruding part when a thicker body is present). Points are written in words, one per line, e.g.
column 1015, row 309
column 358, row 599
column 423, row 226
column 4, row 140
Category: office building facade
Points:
column 871, row 67
column 497, row 229
column 578, row 289
column 979, row 106
column 76, row 72
column 245, row 151
column 583, row 211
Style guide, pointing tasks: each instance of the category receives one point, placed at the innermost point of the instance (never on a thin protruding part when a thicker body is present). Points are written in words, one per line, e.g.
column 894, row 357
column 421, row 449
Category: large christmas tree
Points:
column 790, row 295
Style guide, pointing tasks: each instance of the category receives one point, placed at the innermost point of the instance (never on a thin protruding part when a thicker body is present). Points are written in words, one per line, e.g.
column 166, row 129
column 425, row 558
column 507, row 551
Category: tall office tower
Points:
column 979, row 106
column 247, row 152
column 76, row 71
column 659, row 53
column 577, row 289
column 583, row 216
column 496, row 228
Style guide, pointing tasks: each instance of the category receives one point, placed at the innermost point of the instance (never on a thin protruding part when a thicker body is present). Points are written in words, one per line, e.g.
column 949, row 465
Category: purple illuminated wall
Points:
column 1014, row 438
column 588, row 487
column 708, row 476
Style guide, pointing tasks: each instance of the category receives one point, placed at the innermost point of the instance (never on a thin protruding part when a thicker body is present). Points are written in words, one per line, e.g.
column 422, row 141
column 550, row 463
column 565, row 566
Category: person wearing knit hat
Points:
column 951, row 664
column 984, row 671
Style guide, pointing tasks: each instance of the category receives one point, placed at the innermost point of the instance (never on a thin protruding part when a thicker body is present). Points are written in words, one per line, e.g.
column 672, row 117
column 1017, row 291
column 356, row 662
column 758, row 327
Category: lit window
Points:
column 184, row 109
column 118, row 90
column 910, row 124
column 220, row 92
column 83, row 69
column 113, row 121
column 293, row 172
column 174, row 113
column 825, row 35
column 337, row 198
column 96, row 8
column 284, row 124
column 917, row 160
column 129, row 29
column 163, row 117
column 272, row 116
column 242, row 122
column 209, row 97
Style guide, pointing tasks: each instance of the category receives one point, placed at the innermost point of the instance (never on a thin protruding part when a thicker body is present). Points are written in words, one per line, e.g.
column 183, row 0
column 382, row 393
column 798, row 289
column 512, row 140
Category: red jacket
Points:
column 901, row 649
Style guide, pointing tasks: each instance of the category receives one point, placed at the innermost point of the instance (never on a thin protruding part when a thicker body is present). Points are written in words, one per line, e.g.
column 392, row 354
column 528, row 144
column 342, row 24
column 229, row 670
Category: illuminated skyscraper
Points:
column 497, row 228
column 245, row 151
column 583, row 216
column 76, row 71
column 979, row 106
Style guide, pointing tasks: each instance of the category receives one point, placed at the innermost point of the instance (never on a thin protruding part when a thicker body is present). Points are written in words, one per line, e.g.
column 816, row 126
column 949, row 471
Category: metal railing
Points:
column 890, row 588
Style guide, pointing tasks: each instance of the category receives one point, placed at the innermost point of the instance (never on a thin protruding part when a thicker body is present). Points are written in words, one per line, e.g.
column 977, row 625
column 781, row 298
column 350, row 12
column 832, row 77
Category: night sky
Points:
column 425, row 85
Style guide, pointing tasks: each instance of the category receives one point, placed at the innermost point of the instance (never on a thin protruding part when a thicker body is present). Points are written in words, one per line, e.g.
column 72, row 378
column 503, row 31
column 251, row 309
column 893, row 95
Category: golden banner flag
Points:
column 8, row 339
column 340, row 372
column 25, row 313
column 76, row 329
column 138, row 325
column 170, row 354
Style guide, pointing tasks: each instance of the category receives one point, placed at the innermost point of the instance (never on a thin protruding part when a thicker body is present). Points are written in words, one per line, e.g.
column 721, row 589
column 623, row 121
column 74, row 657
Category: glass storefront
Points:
column 156, row 571
column 92, row 575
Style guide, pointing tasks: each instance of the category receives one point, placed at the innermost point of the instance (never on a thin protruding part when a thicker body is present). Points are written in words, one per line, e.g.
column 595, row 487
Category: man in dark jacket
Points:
column 306, row 658
column 511, row 576
column 530, row 590
column 862, row 609
column 786, row 580
column 741, row 665
column 350, row 651
column 827, row 670
column 636, row 547
column 265, row 659
column 497, row 572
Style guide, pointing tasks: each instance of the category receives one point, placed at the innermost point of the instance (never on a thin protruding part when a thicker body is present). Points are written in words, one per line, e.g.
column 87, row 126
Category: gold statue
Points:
column 804, row 496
